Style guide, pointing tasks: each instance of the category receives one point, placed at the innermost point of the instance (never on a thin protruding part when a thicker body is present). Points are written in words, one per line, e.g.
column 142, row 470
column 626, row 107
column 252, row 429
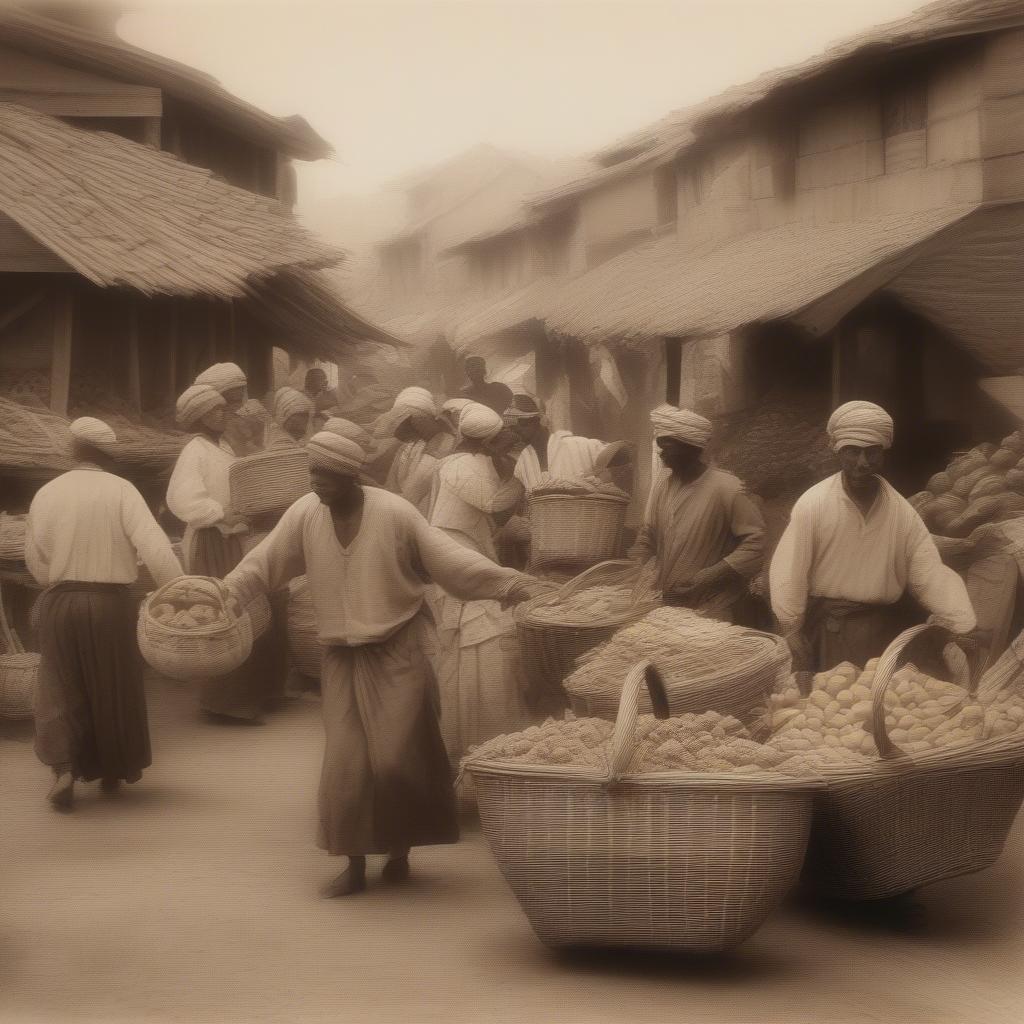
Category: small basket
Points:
column 269, row 481
column 205, row 652
column 19, row 678
column 550, row 649
column 303, row 638
column 677, row 861
column 576, row 529
column 907, row 821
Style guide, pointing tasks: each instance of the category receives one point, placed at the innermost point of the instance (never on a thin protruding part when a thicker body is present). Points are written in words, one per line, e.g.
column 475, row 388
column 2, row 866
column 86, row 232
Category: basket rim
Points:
column 617, row 499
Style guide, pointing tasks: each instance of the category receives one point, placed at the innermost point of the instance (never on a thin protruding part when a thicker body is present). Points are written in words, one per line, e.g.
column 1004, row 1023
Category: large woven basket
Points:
column 738, row 689
column 907, row 821
column 550, row 649
column 205, row 652
column 571, row 529
column 676, row 861
column 268, row 481
column 19, row 677
column 303, row 639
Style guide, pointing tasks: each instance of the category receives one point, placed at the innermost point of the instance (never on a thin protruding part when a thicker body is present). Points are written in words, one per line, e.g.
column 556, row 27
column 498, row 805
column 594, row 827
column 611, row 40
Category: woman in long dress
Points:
column 199, row 494
column 479, row 670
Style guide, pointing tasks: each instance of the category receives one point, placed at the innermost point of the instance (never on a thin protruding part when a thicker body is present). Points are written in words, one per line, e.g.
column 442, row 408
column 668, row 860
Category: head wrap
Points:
column 523, row 407
column 290, row 402
column 93, row 431
column 413, row 400
column 860, row 425
column 454, row 406
column 681, row 424
column 223, row 377
column 477, row 421
column 335, row 453
column 196, row 401
column 346, row 428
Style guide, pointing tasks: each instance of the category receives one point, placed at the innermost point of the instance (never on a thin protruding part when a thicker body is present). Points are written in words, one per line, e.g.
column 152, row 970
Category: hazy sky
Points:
column 397, row 85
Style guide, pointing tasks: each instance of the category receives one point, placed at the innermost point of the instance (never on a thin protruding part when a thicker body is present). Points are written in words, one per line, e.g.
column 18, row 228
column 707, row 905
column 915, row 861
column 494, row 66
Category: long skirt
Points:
column 91, row 703
column 248, row 691
column 386, row 783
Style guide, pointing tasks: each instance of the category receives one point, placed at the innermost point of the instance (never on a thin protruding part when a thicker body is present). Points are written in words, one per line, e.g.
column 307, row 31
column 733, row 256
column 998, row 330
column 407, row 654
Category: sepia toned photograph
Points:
column 511, row 511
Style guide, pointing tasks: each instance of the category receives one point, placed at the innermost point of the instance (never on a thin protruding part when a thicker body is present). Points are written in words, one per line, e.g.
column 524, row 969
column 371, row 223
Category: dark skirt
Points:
column 91, row 704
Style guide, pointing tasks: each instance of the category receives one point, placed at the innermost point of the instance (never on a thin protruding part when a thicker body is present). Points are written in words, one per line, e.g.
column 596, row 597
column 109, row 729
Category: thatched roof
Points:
column 123, row 214
column 34, row 33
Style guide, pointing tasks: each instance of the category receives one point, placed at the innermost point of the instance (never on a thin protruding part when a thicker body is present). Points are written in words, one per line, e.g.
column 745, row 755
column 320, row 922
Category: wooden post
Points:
column 134, row 372
column 151, row 132
column 211, row 334
column 60, row 364
column 171, row 345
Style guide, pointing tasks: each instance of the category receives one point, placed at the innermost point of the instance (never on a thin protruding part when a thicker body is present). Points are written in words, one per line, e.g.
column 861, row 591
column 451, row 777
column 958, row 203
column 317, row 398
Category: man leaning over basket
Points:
column 702, row 532
column 386, row 782
column 86, row 532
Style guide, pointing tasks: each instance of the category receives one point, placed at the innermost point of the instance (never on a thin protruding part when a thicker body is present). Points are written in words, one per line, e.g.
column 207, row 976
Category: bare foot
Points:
column 62, row 793
column 349, row 882
column 396, row 870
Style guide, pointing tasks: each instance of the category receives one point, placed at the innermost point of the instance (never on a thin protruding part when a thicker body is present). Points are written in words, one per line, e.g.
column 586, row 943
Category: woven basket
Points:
column 739, row 689
column 550, row 649
column 268, row 481
column 19, row 677
column 195, row 654
column 303, row 639
column 571, row 529
column 907, row 821
column 673, row 860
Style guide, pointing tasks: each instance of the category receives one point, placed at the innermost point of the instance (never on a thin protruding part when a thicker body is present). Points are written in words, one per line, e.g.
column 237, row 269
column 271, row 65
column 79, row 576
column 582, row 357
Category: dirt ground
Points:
column 192, row 897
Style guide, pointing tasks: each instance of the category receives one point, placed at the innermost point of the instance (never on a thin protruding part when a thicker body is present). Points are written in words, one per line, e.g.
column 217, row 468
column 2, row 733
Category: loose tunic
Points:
column 689, row 527
column 386, row 781
column 86, row 532
column 569, row 458
column 838, row 571
column 478, row 666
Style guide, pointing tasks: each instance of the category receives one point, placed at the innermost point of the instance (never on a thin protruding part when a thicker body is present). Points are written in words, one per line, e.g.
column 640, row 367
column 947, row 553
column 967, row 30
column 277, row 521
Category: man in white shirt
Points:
column 86, row 532
column 854, row 548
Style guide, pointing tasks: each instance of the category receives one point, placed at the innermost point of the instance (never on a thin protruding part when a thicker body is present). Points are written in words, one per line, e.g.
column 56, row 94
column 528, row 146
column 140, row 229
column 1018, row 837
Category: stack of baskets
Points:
column 673, row 860
column 906, row 821
column 19, row 674
column 269, row 481
column 576, row 529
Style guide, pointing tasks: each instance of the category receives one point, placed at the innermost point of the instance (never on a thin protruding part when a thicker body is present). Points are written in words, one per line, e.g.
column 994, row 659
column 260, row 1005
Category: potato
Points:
column 1014, row 441
column 1015, row 480
column 966, row 464
column 1005, row 458
column 987, row 486
column 940, row 483
column 986, row 450
column 920, row 502
column 1013, row 505
column 965, row 484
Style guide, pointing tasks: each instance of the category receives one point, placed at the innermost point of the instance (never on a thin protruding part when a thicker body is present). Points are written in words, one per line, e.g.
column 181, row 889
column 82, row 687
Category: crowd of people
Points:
column 415, row 539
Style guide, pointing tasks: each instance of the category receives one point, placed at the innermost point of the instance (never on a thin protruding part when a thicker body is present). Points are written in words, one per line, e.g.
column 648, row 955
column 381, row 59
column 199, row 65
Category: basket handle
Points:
column 585, row 578
column 887, row 666
column 624, row 735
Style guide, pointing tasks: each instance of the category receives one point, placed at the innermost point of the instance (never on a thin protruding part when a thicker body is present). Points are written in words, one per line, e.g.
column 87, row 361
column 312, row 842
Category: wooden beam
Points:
column 60, row 363
column 151, row 132
column 134, row 372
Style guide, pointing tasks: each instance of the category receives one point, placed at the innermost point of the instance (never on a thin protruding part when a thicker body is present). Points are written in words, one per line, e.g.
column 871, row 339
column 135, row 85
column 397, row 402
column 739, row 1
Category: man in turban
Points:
column 292, row 412
column 701, row 530
column 244, row 418
column 386, row 784
column 851, row 552
column 87, row 531
column 496, row 396
column 423, row 442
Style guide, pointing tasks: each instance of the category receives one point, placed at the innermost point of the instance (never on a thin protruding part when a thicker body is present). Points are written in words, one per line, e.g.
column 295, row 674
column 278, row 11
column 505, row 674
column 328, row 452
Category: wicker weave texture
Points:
column 654, row 867
column 569, row 529
column 19, row 677
column 268, row 481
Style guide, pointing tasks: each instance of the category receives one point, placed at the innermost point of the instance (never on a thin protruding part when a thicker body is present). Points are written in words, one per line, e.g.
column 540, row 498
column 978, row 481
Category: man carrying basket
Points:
column 386, row 783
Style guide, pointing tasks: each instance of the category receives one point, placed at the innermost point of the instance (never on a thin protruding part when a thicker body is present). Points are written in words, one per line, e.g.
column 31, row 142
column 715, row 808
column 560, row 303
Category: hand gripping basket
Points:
column 576, row 529
column 673, row 860
column 303, row 638
column 204, row 652
column 550, row 649
column 268, row 481
column 910, row 820
column 19, row 677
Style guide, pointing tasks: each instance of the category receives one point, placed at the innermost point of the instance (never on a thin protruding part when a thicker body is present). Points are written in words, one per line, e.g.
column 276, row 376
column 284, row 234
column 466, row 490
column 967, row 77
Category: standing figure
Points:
column 422, row 442
column 478, row 668
column 703, row 533
column 495, row 396
column 199, row 494
column 292, row 414
column 323, row 398
column 386, row 784
column 86, row 532
column 243, row 432
column 851, row 552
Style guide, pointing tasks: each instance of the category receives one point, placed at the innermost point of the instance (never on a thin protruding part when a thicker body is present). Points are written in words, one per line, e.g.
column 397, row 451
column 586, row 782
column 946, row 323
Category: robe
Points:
column 386, row 782
column 569, row 458
column 691, row 527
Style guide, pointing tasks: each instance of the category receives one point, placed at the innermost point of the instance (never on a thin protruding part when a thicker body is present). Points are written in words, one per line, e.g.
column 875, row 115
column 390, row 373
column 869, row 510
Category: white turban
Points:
column 195, row 402
column 335, row 453
column 93, row 431
column 223, row 377
column 346, row 428
column 480, row 422
column 682, row 424
column 413, row 400
column 860, row 425
column 454, row 406
column 290, row 402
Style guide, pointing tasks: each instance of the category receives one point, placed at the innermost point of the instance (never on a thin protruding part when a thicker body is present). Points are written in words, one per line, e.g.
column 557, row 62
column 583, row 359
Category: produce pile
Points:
column 580, row 487
column 188, row 605
column 585, row 607
column 708, row 742
column 984, row 486
column 12, row 537
column 832, row 726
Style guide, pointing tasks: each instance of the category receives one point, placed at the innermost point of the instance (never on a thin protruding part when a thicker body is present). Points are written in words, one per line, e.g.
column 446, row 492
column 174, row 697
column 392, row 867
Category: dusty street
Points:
column 192, row 898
